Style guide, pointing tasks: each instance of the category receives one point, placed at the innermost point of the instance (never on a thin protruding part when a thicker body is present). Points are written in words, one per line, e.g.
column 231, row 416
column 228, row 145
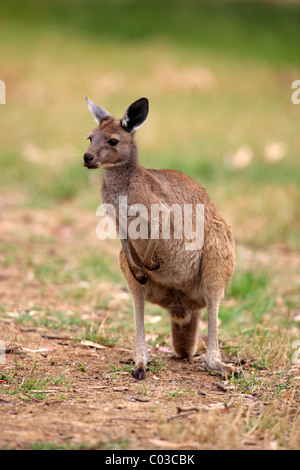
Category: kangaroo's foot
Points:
column 139, row 371
column 213, row 363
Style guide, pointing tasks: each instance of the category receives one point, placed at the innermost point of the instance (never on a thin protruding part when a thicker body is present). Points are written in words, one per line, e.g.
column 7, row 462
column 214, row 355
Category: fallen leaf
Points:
column 91, row 344
column 36, row 350
column 173, row 445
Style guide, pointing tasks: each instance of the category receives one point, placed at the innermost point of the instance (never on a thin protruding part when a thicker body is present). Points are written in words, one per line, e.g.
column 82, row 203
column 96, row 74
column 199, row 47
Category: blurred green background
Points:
column 218, row 75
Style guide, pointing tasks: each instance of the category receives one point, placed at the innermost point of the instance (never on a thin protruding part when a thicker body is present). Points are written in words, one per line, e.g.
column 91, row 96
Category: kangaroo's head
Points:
column 112, row 141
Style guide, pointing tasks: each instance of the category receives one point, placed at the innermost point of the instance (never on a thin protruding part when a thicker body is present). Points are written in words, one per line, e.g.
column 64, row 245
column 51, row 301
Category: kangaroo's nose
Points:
column 87, row 157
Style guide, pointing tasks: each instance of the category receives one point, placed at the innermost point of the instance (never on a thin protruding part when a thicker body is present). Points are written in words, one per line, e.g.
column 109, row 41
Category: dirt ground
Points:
column 97, row 407
column 90, row 398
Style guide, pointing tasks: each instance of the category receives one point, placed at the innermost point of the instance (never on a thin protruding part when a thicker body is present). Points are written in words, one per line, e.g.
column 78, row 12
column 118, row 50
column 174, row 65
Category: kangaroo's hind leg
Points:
column 213, row 361
column 217, row 268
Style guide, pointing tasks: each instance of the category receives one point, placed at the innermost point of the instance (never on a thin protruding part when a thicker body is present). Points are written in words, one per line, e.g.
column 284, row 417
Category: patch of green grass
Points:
column 117, row 444
column 247, row 284
column 107, row 338
column 265, row 30
column 155, row 365
column 42, row 188
column 245, row 315
column 182, row 392
column 41, row 445
column 10, row 254
column 121, row 443
column 144, row 389
column 33, row 386
column 254, row 382
column 253, row 295
column 52, row 269
column 99, row 266
column 52, row 319
column 7, row 377
column 122, row 368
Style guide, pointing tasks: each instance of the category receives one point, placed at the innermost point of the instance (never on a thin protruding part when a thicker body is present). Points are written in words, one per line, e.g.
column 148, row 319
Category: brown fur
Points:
column 178, row 280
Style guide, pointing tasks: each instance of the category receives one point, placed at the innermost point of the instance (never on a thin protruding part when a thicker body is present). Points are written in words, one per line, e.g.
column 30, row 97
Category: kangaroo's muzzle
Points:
column 88, row 159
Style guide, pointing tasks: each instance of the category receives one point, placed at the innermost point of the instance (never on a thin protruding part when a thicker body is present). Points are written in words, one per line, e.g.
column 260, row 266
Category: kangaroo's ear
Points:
column 97, row 112
column 135, row 115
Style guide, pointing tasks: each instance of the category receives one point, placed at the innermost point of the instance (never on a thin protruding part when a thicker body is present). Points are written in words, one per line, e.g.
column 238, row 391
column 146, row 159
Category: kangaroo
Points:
column 162, row 270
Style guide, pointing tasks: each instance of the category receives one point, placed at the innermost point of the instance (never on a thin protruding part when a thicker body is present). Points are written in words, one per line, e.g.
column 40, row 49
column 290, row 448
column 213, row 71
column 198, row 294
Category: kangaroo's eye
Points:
column 113, row 142
column 89, row 138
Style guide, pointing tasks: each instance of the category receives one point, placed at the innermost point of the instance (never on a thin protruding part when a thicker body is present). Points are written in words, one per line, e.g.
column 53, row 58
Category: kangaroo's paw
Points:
column 152, row 266
column 140, row 276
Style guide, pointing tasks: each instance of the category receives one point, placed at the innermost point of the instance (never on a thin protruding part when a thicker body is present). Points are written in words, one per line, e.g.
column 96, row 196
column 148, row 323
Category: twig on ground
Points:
column 56, row 337
column 220, row 406
column 143, row 400
column 221, row 387
column 131, row 419
column 181, row 409
column 181, row 415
